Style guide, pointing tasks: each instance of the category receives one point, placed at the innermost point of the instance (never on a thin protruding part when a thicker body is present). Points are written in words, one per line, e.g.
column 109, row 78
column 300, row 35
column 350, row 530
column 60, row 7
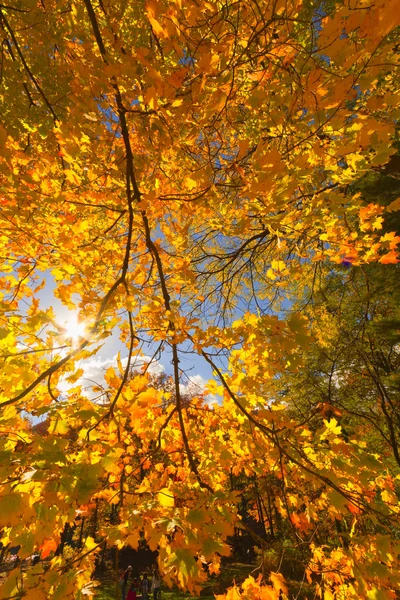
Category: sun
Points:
column 74, row 329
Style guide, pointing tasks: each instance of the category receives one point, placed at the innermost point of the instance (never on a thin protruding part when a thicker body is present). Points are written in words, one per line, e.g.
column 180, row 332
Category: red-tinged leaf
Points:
column 47, row 547
column 389, row 258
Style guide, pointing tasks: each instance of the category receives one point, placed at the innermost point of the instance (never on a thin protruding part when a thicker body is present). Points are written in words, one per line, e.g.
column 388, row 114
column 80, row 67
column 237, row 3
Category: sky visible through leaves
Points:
column 210, row 188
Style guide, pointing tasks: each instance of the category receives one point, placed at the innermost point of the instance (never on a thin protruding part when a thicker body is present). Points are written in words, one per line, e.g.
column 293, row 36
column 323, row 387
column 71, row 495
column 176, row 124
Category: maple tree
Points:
column 186, row 172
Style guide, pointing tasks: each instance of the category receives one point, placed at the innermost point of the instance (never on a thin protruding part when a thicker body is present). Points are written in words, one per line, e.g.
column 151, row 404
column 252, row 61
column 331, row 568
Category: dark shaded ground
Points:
column 230, row 573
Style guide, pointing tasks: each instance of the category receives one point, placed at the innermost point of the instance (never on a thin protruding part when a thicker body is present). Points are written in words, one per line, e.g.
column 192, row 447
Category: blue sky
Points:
column 192, row 364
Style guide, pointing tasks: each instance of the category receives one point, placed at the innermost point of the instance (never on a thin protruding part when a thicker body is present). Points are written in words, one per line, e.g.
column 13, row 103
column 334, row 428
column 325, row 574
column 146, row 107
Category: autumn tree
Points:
column 181, row 172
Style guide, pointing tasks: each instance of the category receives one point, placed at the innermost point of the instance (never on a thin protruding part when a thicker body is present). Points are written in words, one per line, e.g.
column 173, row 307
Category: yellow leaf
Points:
column 333, row 426
column 58, row 426
column 278, row 582
column 393, row 206
column 133, row 539
column 190, row 183
column 90, row 543
column 35, row 594
column 157, row 28
column 72, row 177
column 166, row 498
column 147, row 398
column 150, row 97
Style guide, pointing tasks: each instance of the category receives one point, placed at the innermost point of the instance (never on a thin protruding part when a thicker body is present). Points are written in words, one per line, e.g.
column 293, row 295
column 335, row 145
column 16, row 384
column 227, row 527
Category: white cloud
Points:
column 95, row 368
column 196, row 384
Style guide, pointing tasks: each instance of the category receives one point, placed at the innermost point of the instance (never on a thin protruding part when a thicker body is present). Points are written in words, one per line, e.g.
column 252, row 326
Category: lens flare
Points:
column 74, row 328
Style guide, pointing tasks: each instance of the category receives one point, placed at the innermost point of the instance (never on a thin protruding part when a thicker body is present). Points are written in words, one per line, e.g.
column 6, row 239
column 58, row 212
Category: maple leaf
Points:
column 278, row 582
column 391, row 239
column 198, row 186
column 394, row 206
column 390, row 258
column 47, row 547
column 165, row 498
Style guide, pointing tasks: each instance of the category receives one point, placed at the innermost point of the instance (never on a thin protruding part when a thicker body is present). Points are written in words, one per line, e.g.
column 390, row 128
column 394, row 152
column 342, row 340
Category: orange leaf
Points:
column 389, row 258
column 393, row 206
column 47, row 547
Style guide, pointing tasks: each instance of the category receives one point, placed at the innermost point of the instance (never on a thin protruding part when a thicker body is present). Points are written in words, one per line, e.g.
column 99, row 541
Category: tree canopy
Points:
column 210, row 181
